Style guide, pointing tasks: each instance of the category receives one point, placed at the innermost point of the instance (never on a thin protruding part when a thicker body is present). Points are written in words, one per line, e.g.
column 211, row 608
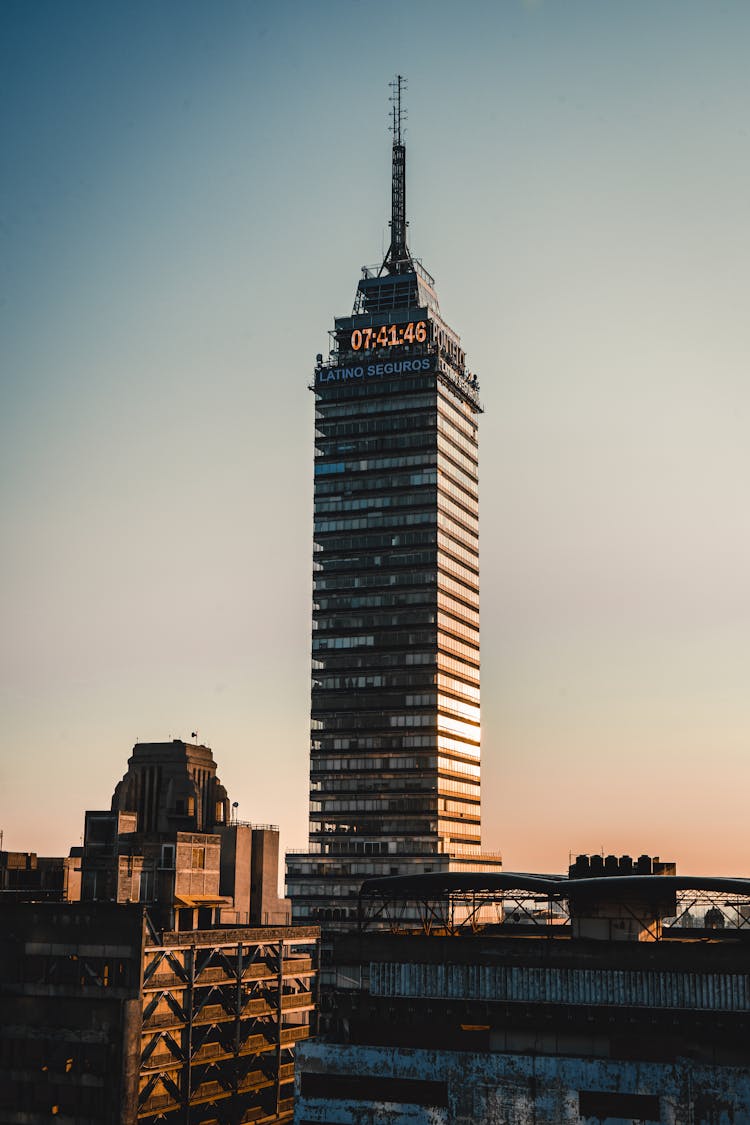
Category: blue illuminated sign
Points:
column 374, row 370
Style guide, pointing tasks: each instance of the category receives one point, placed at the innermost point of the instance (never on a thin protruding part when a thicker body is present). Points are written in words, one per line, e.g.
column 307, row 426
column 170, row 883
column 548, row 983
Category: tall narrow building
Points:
column 395, row 738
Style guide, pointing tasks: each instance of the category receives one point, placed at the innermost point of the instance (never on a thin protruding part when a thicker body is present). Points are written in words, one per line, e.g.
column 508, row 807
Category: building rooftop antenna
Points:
column 398, row 258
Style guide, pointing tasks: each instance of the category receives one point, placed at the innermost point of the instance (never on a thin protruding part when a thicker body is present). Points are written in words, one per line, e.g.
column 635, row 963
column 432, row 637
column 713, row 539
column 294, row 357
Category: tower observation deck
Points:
column 395, row 734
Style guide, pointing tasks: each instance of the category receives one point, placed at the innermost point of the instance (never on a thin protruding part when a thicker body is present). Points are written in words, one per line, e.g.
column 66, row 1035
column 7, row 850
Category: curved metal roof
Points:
column 438, row 884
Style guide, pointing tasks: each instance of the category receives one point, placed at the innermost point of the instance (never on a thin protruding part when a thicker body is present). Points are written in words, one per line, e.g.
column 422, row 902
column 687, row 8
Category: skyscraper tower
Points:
column 394, row 751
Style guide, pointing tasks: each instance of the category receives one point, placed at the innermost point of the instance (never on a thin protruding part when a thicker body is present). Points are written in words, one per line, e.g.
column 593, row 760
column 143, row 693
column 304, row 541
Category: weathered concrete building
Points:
column 26, row 875
column 173, row 990
column 169, row 841
column 104, row 1019
column 590, row 999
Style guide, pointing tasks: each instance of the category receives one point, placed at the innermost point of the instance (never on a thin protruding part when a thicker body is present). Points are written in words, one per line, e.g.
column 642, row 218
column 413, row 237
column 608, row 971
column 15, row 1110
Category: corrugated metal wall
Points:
column 727, row 992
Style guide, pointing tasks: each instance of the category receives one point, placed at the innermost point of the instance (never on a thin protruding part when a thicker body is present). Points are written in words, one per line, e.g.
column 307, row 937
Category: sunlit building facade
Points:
column 395, row 738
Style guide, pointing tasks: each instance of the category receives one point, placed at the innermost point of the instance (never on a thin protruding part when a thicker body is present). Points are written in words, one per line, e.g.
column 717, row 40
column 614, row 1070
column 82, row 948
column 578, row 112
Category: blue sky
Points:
column 187, row 192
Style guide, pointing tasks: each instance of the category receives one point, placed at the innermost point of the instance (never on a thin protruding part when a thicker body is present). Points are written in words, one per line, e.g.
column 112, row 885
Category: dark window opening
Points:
column 639, row 1107
column 374, row 1088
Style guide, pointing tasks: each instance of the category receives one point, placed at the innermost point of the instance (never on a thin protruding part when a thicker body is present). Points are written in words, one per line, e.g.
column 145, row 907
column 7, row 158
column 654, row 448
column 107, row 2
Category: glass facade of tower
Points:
column 394, row 754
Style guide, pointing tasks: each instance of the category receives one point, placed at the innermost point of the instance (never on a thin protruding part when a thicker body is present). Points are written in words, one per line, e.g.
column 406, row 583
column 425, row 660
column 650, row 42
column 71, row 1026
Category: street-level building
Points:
column 172, row 990
column 618, row 998
column 106, row 1020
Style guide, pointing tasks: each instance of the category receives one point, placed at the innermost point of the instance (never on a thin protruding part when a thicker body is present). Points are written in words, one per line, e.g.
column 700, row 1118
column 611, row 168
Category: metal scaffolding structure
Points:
column 221, row 1015
column 462, row 903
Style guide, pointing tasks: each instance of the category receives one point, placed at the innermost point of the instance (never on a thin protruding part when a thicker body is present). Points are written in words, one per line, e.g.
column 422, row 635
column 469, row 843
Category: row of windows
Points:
column 469, row 711
column 452, row 828
column 372, row 804
column 469, row 517
column 459, row 746
column 458, row 727
column 378, row 742
column 468, row 809
column 456, row 582
column 445, row 523
column 374, row 406
column 458, row 609
column 452, row 434
column 469, row 498
column 461, row 629
column 467, row 788
column 374, row 680
column 321, row 764
column 458, row 687
column 450, row 765
column 457, row 408
column 358, row 868
column 356, row 708
column 450, row 551
column 427, row 782
column 460, row 667
column 353, row 571
column 462, row 563
column 375, row 503
column 358, row 523
column 466, row 423
column 373, row 463
column 333, row 662
column 373, row 827
column 452, row 633
column 315, row 890
column 422, row 637
column 382, row 388
column 342, row 642
column 321, row 802
column 371, row 426
column 454, row 647
column 468, row 595
column 423, row 538
column 374, row 620
column 69, row 969
column 364, row 581
column 375, row 483
column 448, row 453
column 359, row 721
column 372, row 601
column 468, row 481
column 469, row 524
column 413, row 441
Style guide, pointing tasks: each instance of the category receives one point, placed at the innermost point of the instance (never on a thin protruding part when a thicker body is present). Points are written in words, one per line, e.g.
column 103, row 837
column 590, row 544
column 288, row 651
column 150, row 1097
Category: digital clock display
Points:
column 389, row 335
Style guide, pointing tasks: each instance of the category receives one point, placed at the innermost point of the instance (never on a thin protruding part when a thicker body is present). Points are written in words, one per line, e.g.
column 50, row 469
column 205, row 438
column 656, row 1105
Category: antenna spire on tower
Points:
column 399, row 115
column 398, row 258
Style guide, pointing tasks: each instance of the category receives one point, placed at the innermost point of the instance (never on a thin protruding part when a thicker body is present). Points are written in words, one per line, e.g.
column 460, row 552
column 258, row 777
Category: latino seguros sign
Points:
column 374, row 370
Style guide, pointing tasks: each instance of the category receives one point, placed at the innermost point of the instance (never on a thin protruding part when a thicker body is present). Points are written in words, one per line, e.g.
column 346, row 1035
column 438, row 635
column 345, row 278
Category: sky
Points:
column 187, row 194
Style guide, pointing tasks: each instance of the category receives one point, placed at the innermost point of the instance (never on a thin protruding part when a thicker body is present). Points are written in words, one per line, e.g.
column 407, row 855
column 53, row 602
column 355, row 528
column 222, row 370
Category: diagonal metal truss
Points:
column 219, row 1021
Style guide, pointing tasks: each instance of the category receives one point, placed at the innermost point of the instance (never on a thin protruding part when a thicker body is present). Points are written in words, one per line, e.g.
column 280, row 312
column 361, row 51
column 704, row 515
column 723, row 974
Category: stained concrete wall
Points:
column 516, row 1089
column 236, row 856
column 70, row 1012
column 266, row 908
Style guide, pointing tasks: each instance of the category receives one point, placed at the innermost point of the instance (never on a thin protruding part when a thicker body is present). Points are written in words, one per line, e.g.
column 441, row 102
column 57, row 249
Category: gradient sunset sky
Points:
column 187, row 193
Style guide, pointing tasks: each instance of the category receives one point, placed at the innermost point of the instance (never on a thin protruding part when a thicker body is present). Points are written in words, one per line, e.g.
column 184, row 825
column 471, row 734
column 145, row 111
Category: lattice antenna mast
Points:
column 398, row 258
